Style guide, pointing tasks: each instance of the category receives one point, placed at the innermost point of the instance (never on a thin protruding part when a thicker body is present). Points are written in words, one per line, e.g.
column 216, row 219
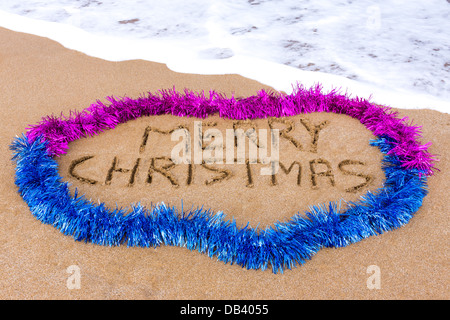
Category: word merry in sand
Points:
column 210, row 157
column 208, row 146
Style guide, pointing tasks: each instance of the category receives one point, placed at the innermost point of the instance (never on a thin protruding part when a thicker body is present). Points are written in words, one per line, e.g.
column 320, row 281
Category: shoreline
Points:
column 277, row 76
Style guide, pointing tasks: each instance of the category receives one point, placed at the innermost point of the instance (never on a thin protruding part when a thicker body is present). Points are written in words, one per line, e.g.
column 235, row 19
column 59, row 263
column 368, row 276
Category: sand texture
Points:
column 40, row 77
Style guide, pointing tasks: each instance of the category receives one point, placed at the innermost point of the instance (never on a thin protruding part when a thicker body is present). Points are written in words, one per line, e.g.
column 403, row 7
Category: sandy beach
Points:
column 40, row 77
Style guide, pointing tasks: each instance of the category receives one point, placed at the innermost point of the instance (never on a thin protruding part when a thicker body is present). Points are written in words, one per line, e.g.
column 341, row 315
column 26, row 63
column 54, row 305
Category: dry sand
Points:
column 40, row 77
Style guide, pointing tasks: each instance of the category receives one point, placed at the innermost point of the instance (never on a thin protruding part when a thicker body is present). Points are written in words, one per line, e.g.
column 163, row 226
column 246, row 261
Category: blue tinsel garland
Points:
column 280, row 246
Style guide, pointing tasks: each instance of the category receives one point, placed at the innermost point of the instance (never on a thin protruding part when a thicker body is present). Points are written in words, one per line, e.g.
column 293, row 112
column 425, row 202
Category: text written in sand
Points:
column 221, row 156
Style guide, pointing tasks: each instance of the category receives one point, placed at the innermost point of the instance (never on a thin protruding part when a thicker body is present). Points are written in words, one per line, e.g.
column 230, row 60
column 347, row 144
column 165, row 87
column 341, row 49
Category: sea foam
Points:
column 393, row 54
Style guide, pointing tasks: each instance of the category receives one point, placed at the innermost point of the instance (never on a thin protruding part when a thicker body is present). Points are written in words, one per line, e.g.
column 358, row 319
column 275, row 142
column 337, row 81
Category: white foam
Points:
column 219, row 57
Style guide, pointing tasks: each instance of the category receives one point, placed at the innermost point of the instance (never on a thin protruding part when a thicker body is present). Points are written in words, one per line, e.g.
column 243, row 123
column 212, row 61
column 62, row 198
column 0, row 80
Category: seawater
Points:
column 395, row 52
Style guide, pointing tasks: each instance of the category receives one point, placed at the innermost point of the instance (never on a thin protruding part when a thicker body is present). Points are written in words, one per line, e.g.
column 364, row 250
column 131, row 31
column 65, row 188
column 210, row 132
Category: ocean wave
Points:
column 396, row 51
